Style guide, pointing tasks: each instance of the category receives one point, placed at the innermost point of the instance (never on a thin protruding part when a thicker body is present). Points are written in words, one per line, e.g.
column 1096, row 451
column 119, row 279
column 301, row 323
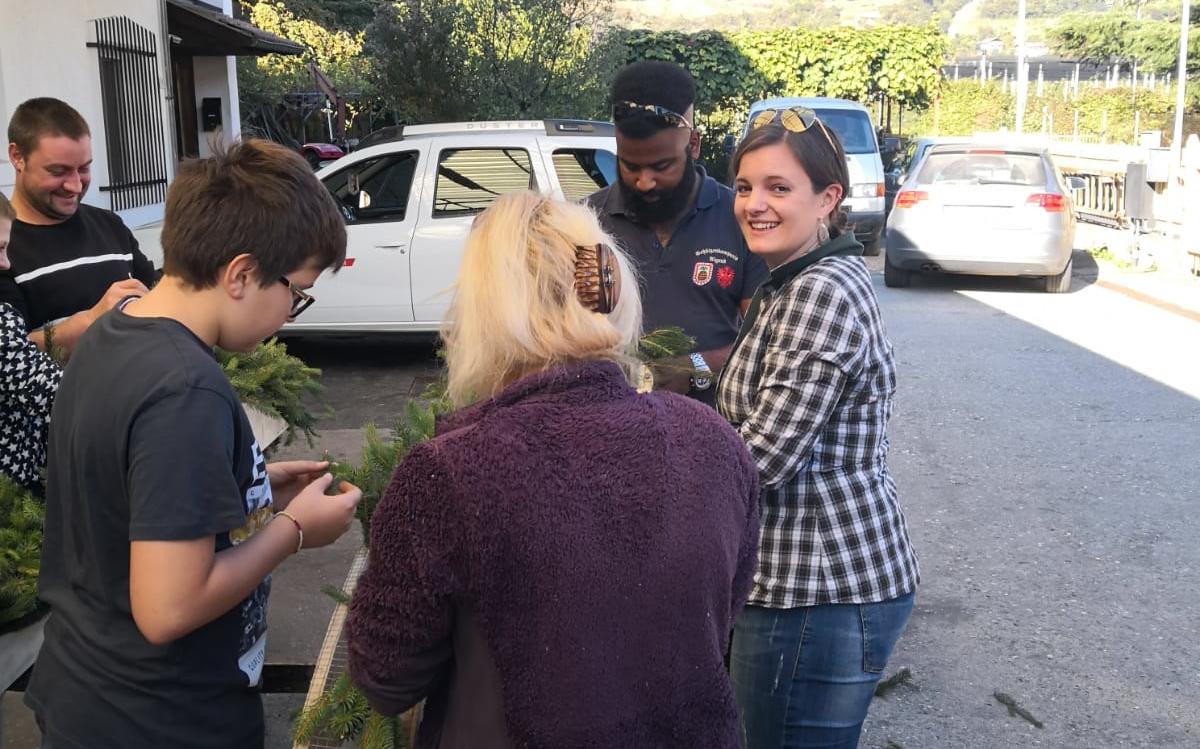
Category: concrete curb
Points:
column 1171, row 292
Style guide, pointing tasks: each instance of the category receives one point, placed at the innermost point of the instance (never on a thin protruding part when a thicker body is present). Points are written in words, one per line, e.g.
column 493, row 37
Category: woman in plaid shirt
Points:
column 809, row 386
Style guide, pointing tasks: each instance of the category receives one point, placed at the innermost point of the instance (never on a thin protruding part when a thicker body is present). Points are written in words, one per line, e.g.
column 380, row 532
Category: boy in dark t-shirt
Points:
column 163, row 520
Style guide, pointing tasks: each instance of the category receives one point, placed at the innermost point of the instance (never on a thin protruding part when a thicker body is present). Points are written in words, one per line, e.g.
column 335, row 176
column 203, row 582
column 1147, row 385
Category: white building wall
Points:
column 46, row 54
column 216, row 77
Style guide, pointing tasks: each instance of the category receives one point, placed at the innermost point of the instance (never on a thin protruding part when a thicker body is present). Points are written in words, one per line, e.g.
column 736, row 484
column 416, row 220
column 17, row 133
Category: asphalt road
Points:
column 1046, row 450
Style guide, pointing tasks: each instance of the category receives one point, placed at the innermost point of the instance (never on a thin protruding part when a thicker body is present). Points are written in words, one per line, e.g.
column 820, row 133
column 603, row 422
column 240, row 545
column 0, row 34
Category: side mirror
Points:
column 1076, row 183
column 728, row 145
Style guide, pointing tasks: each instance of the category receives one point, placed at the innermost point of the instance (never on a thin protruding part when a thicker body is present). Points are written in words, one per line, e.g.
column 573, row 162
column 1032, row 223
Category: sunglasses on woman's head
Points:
column 793, row 119
column 624, row 110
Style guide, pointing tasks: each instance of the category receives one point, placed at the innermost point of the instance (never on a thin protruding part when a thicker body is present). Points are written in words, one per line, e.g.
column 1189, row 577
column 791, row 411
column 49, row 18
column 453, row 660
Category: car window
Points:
column 582, row 171
column 374, row 189
column 852, row 127
column 984, row 168
column 469, row 179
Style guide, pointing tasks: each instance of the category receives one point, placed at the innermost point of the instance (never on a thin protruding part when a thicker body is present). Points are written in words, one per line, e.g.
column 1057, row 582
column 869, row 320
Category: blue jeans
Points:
column 805, row 677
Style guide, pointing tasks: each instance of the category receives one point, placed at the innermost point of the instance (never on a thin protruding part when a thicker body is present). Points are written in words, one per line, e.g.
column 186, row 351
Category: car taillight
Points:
column 1048, row 201
column 909, row 198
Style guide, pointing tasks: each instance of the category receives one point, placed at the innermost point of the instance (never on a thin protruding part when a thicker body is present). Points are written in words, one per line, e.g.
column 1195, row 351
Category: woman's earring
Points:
column 822, row 232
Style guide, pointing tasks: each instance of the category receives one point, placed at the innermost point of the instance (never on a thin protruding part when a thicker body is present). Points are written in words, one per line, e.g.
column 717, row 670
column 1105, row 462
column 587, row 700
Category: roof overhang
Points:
column 205, row 31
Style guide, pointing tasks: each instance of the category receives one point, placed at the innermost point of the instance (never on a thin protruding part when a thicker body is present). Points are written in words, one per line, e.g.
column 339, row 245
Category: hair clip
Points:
column 597, row 281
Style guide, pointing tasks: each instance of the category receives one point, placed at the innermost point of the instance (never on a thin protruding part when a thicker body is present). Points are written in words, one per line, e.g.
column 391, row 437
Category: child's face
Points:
column 263, row 310
column 5, row 231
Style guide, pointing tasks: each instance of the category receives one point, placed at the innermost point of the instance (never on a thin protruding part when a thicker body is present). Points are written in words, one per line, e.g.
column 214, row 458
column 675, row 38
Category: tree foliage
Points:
column 897, row 62
column 491, row 59
column 1121, row 38
column 417, row 51
column 265, row 82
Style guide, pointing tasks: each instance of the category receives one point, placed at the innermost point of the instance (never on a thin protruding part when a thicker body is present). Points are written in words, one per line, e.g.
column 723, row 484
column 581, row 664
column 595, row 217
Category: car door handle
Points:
column 402, row 247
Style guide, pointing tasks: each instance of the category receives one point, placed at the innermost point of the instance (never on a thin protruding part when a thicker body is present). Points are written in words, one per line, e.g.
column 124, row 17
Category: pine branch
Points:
column 664, row 343
column 275, row 382
column 21, row 520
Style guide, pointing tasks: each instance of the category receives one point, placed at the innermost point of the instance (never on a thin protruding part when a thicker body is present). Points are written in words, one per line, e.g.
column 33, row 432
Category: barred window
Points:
column 133, row 117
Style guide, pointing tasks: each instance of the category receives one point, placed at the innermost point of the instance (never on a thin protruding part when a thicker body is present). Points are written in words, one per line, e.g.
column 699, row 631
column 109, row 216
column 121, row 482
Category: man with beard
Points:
column 676, row 223
column 70, row 262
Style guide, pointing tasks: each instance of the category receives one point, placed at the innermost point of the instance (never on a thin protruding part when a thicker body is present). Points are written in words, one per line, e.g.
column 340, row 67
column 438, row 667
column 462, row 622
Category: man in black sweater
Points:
column 70, row 262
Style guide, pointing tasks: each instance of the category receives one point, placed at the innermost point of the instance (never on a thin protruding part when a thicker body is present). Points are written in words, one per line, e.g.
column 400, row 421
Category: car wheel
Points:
column 1061, row 283
column 893, row 276
column 313, row 160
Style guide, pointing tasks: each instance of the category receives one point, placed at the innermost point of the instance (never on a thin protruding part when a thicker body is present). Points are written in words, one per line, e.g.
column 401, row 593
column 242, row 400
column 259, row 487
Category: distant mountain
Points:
column 959, row 17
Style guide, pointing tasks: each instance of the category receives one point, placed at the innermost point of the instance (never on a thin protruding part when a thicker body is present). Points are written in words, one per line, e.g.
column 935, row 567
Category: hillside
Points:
column 969, row 21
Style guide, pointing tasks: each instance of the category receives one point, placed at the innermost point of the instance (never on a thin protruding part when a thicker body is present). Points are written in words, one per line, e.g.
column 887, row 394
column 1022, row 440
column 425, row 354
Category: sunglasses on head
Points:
column 624, row 110
column 793, row 119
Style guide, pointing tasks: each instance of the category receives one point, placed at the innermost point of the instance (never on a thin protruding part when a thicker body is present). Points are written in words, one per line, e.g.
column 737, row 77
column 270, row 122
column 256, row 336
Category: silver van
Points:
column 852, row 123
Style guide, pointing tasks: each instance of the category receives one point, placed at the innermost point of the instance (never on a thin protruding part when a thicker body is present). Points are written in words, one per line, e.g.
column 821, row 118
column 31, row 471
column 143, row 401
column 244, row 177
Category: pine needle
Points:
column 336, row 594
column 21, row 519
column 274, row 381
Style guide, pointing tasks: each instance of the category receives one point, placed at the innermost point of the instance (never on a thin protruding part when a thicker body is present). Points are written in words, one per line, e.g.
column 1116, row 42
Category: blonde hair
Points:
column 515, row 311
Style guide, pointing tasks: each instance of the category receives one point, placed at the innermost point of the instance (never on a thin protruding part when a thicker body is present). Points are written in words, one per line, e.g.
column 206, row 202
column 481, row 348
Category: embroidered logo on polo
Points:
column 713, row 262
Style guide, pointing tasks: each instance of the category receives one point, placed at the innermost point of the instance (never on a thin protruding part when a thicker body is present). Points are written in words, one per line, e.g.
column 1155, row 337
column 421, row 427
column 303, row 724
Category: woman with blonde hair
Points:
column 562, row 564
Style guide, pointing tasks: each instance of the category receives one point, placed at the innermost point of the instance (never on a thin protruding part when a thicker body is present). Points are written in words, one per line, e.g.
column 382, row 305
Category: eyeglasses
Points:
column 793, row 119
column 301, row 300
column 624, row 110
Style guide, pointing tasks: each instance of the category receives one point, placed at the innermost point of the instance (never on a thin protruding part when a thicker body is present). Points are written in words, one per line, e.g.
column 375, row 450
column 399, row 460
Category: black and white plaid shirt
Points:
column 810, row 389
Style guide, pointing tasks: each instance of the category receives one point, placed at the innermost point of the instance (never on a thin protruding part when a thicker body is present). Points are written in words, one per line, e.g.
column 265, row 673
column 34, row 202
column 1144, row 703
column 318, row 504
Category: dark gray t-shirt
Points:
column 148, row 442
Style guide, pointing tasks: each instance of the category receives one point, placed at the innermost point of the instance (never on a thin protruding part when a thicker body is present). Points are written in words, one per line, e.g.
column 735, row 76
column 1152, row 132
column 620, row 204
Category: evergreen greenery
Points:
column 275, row 382
column 20, row 550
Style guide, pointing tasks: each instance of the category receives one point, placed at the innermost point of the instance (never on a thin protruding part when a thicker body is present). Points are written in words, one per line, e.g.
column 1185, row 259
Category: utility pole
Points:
column 1180, row 83
column 1022, row 74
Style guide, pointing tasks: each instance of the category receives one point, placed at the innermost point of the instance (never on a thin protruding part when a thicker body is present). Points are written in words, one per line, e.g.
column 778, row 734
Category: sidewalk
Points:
column 1170, row 286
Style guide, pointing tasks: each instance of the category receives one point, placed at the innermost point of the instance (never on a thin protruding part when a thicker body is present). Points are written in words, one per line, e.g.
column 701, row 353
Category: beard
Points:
column 43, row 202
column 663, row 205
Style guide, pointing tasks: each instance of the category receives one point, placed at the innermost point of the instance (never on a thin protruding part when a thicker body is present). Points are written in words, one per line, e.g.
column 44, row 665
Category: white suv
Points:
column 409, row 196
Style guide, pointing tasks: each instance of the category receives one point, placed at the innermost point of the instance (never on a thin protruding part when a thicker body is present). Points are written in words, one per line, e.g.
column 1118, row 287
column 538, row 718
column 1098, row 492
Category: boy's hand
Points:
column 325, row 517
column 289, row 477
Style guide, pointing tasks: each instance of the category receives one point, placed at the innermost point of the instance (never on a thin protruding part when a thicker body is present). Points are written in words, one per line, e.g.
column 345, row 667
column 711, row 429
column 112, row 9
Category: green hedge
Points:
column 966, row 108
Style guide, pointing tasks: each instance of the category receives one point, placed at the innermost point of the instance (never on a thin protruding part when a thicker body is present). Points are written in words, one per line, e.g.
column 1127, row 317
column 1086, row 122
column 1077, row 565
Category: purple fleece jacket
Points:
column 595, row 544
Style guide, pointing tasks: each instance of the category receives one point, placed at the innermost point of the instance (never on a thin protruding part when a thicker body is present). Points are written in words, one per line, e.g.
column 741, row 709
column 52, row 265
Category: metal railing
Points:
column 133, row 116
column 1102, row 200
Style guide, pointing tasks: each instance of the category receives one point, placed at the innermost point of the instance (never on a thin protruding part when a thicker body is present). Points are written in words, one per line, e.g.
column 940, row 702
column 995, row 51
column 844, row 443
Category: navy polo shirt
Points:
column 698, row 281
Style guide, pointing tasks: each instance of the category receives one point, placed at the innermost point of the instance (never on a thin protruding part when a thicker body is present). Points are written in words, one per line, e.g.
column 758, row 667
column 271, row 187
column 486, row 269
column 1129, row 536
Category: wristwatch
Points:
column 701, row 378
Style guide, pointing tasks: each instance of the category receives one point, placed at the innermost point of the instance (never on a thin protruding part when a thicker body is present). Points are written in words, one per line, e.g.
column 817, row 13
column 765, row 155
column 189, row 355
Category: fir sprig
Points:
column 21, row 519
column 664, row 343
column 275, row 382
